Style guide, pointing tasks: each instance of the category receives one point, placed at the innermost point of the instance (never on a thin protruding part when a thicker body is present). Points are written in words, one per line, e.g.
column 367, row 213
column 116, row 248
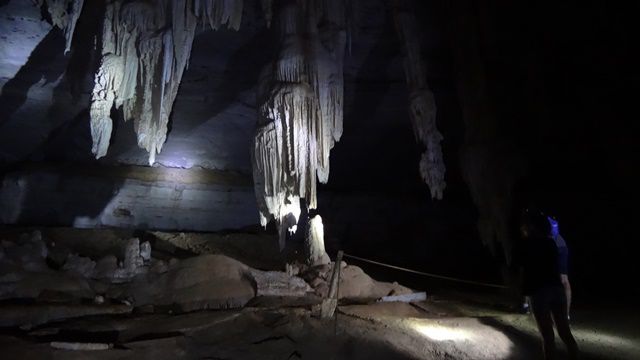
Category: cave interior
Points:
column 179, row 176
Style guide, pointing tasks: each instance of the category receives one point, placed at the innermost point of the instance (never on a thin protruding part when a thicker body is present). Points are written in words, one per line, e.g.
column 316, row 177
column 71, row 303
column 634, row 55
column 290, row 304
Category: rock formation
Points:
column 300, row 109
column 64, row 15
column 152, row 45
column 145, row 50
column 314, row 243
column 422, row 105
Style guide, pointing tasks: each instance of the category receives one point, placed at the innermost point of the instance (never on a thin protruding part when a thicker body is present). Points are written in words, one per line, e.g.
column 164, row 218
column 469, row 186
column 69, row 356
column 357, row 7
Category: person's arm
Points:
column 563, row 264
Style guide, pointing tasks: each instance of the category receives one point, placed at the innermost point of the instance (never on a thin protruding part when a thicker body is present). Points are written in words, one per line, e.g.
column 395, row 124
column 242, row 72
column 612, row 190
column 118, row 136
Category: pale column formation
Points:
column 300, row 100
column 422, row 105
column 314, row 243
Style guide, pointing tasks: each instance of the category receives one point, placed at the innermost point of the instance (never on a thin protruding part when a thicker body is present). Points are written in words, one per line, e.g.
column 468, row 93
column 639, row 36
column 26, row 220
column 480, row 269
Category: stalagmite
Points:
column 64, row 15
column 145, row 49
column 314, row 243
column 422, row 106
column 300, row 115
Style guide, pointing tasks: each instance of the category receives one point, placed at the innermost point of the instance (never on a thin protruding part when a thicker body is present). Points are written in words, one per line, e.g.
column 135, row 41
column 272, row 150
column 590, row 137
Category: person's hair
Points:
column 536, row 223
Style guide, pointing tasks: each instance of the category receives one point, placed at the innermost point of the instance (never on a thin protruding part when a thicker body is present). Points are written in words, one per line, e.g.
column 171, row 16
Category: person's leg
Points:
column 542, row 314
column 559, row 311
column 567, row 291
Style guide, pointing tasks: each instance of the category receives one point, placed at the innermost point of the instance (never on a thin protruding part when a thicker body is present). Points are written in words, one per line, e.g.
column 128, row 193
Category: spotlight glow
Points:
column 464, row 337
column 442, row 333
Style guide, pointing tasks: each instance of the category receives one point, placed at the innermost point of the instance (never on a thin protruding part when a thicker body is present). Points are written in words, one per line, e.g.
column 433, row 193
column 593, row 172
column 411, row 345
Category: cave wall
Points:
column 127, row 197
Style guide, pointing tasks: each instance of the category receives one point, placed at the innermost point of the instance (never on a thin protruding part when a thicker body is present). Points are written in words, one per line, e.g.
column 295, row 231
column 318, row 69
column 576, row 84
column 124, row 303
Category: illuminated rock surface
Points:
column 145, row 50
column 300, row 110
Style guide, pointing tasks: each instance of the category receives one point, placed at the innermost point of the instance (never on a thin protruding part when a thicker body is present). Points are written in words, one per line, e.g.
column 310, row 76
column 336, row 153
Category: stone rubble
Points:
column 140, row 281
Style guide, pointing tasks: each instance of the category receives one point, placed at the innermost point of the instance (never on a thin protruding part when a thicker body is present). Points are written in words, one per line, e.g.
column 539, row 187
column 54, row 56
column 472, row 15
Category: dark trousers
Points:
column 549, row 306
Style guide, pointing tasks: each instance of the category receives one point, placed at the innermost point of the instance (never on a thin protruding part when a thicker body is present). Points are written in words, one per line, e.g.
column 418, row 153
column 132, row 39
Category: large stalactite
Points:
column 64, row 15
column 146, row 46
column 422, row 105
column 300, row 109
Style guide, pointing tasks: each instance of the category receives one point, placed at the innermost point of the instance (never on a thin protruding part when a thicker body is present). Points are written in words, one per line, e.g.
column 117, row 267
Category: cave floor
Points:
column 435, row 329
column 448, row 325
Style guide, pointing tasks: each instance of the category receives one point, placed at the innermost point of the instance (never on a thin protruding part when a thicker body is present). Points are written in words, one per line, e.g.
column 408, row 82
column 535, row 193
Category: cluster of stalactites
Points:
column 300, row 109
column 146, row 47
column 64, row 15
column 422, row 105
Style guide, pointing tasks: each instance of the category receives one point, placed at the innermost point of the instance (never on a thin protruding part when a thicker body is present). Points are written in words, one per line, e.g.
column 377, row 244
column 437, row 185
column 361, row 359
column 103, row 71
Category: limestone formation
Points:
column 422, row 105
column 145, row 49
column 314, row 243
column 64, row 15
column 300, row 115
column 277, row 283
column 80, row 265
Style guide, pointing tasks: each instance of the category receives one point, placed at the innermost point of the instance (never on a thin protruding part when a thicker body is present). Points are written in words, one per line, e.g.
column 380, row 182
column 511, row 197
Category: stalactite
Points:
column 64, row 15
column 108, row 78
column 149, row 45
column 300, row 117
column 422, row 105
column 267, row 9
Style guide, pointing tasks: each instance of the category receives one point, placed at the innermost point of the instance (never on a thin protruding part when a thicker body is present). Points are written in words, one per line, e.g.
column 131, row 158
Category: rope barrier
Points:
column 426, row 274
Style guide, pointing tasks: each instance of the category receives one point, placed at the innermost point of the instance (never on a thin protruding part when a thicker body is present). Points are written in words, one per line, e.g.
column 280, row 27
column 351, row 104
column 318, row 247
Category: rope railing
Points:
column 435, row 276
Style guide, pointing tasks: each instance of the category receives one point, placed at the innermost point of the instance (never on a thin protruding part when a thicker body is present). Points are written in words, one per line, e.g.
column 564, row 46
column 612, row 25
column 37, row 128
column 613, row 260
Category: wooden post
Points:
column 330, row 304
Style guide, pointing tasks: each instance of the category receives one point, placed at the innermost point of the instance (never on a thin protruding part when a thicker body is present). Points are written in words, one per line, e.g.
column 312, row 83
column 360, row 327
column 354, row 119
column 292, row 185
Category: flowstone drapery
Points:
column 422, row 105
column 300, row 109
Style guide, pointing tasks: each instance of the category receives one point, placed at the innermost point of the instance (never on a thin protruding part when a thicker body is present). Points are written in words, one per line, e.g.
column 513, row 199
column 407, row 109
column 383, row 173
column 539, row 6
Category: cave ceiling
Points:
column 47, row 94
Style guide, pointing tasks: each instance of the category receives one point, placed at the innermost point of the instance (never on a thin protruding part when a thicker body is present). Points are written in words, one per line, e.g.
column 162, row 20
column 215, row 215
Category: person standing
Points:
column 543, row 283
column 563, row 260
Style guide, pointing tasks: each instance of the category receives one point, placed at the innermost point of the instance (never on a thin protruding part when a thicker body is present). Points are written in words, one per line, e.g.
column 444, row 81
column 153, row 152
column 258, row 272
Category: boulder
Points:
column 80, row 265
column 278, row 283
column 355, row 284
column 203, row 282
column 30, row 285
column 106, row 267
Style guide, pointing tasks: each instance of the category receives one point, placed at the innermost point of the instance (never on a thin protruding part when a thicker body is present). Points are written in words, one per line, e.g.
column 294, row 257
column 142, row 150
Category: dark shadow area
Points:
column 361, row 145
column 528, row 346
column 375, row 204
column 70, row 141
column 240, row 74
column 58, row 194
column 86, row 49
column 123, row 137
column 44, row 62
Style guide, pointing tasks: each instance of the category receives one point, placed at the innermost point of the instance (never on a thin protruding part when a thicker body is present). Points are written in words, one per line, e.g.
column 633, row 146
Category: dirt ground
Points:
column 429, row 330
